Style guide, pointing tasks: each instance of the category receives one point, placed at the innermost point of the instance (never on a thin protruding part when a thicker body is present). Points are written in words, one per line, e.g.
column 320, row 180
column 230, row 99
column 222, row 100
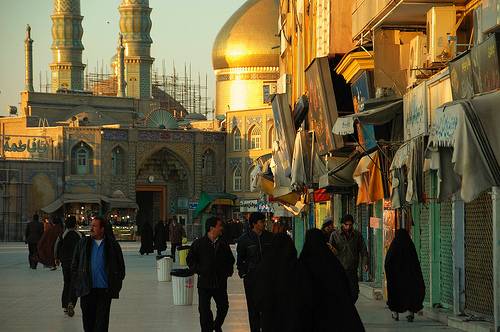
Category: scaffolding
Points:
column 189, row 91
column 176, row 92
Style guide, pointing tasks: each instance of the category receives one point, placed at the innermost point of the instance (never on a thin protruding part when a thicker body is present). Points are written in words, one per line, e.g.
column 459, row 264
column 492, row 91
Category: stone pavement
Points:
column 30, row 301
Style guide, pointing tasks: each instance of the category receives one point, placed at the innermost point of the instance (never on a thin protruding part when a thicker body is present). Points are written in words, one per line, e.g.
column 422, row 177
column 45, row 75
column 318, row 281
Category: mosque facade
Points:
column 73, row 152
column 245, row 59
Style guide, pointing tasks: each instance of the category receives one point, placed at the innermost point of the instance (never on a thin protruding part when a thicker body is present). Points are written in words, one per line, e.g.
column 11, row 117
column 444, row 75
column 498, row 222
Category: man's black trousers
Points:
column 173, row 247
column 67, row 294
column 33, row 254
column 253, row 311
column 207, row 322
column 95, row 310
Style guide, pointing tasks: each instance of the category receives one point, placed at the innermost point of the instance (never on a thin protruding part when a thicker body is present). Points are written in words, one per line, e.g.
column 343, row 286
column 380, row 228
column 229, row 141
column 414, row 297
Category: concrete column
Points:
column 458, row 248
column 496, row 255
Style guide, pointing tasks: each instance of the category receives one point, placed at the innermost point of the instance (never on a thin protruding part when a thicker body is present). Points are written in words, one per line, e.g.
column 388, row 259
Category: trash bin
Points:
column 164, row 267
column 182, row 252
column 182, row 286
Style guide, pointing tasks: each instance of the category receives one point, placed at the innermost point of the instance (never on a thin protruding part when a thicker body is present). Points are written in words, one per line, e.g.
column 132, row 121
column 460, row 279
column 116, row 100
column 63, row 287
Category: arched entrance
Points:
column 162, row 187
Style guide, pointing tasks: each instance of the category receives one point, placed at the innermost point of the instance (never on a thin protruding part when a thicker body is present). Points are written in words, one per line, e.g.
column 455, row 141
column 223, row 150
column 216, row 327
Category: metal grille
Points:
column 446, row 253
column 425, row 237
column 479, row 256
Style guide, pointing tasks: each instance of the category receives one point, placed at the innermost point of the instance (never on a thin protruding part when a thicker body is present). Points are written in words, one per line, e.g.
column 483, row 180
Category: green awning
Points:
column 207, row 198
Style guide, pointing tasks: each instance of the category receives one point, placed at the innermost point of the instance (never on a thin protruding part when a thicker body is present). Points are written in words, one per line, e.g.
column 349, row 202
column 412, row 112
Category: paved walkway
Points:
column 30, row 301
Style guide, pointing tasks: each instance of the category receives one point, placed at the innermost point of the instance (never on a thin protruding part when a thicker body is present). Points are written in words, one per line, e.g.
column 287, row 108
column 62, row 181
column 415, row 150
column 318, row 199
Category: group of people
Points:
column 289, row 293
column 283, row 292
column 93, row 267
column 41, row 238
column 171, row 230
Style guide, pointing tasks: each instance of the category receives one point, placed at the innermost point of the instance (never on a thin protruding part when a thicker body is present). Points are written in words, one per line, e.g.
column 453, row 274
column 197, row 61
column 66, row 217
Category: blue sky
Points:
column 183, row 31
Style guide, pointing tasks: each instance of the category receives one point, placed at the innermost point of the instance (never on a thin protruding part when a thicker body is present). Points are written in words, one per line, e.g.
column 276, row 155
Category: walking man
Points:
column 33, row 234
column 349, row 246
column 98, row 271
column 327, row 228
column 177, row 232
column 63, row 253
column 252, row 246
column 211, row 258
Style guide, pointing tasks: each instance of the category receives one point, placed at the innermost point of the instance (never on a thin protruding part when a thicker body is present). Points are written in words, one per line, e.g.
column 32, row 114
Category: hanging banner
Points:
column 415, row 112
column 322, row 112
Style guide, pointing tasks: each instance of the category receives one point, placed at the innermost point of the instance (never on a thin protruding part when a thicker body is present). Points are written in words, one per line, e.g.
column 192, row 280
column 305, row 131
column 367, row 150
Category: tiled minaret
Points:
column 135, row 26
column 67, row 67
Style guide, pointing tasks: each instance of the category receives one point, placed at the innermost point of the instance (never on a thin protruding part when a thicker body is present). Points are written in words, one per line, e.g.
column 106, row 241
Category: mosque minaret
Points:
column 67, row 67
column 135, row 26
column 28, row 57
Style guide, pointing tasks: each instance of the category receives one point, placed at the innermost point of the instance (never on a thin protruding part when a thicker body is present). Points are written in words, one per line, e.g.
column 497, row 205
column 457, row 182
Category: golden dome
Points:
column 249, row 38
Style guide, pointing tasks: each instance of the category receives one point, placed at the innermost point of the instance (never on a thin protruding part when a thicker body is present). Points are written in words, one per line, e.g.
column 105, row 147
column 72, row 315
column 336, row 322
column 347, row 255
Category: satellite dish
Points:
column 162, row 119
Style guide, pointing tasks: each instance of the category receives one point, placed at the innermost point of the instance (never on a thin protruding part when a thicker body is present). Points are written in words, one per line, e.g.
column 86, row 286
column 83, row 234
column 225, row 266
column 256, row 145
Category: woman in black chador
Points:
column 405, row 284
column 146, row 239
column 276, row 282
column 323, row 284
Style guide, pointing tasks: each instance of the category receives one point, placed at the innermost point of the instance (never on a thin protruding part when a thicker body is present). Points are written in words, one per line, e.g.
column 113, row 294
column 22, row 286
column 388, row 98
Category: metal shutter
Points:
column 479, row 256
column 425, row 238
column 446, row 267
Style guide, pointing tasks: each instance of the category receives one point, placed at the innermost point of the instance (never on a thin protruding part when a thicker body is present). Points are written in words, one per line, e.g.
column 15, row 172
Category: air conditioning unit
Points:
column 417, row 58
column 440, row 25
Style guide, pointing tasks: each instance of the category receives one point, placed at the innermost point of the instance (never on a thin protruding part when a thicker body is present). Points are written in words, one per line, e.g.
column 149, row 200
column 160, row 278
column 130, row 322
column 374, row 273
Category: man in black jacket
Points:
column 97, row 271
column 64, row 249
column 252, row 246
column 211, row 258
column 32, row 235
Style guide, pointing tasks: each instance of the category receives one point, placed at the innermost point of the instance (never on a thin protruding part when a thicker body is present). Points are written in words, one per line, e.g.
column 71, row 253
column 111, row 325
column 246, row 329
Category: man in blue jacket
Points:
column 98, row 271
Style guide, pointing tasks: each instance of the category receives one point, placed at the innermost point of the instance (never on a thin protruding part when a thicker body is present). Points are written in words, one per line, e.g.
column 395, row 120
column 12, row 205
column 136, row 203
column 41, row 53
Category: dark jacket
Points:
column 65, row 246
column 160, row 236
column 275, row 288
column 33, row 232
column 177, row 232
column 405, row 284
column 80, row 267
column 250, row 250
column 146, row 239
column 322, row 283
column 349, row 248
column 213, row 262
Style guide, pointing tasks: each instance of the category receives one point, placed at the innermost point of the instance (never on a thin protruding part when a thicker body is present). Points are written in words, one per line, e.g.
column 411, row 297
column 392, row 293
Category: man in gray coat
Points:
column 348, row 245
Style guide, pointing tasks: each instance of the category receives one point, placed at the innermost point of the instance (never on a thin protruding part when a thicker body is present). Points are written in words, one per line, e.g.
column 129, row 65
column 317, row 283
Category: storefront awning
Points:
column 120, row 203
column 72, row 198
column 207, row 198
column 466, row 144
column 373, row 115
column 340, row 177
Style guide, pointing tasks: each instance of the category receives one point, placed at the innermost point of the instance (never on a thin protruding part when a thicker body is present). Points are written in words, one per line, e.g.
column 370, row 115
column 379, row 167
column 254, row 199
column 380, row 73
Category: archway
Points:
column 162, row 187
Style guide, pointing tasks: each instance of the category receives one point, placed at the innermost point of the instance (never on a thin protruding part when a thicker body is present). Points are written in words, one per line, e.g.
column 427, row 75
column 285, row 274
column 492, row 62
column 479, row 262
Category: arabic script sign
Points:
column 25, row 144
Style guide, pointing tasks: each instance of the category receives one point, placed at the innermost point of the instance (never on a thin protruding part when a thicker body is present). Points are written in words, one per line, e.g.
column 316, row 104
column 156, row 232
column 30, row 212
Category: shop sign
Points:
column 193, row 205
column 444, row 125
column 415, row 112
column 254, row 205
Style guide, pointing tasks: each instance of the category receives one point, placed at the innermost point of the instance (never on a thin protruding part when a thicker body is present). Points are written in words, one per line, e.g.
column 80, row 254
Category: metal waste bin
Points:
column 182, row 286
column 182, row 252
column 164, row 267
